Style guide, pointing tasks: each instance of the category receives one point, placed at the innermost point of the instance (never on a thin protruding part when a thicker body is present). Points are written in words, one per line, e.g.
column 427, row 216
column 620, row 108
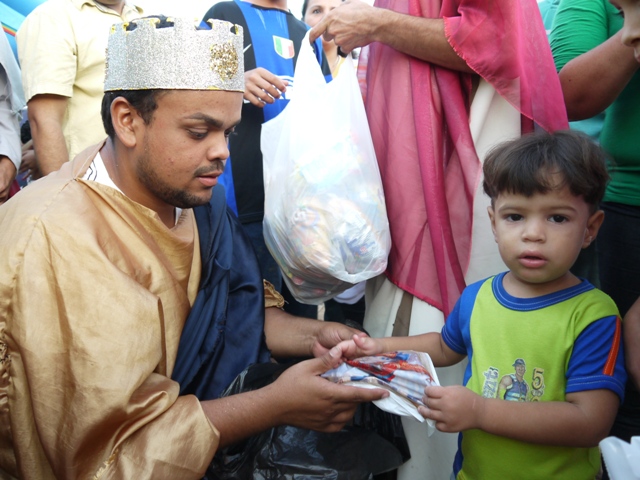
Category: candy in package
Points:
column 404, row 373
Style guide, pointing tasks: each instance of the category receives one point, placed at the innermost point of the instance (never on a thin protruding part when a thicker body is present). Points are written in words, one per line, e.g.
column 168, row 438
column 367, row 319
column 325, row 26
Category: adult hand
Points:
column 454, row 409
column 330, row 334
column 350, row 25
column 261, row 86
column 7, row 175
column 309, row 401
column 29, row 161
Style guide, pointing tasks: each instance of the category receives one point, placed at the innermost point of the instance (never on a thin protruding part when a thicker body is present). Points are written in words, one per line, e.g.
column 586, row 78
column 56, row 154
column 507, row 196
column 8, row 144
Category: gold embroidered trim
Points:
column 272, row 297
column 5, row 357
column 105, row 465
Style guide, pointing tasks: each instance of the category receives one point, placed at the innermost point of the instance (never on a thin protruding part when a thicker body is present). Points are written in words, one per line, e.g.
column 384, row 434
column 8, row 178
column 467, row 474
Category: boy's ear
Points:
column 593, row 226
column 492, row 218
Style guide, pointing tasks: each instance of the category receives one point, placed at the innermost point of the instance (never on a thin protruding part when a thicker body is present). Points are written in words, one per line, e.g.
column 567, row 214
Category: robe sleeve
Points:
column 272, row 297
column 88, row 346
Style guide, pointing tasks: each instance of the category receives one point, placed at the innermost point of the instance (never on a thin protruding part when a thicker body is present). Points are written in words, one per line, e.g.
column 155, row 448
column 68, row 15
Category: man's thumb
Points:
column 331, row 359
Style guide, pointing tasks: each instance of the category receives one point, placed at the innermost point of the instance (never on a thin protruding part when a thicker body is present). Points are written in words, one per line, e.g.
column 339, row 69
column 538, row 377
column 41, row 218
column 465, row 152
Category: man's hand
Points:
column 261, row 86
column 29, row 161
column 310, row 401
column 330, row 334
column 299, row 397
column 7, row 176
column 454, row 409
column 351, row 25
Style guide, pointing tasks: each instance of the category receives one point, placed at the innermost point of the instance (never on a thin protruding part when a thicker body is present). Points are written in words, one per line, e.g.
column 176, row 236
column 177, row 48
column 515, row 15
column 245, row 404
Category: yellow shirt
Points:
column 61, row 46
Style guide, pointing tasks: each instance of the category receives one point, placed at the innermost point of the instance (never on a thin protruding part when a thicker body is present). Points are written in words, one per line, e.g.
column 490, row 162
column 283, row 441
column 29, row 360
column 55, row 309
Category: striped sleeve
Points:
column 597, row 360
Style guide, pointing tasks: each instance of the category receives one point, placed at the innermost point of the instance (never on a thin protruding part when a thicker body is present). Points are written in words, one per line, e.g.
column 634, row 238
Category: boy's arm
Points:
column 582, row 420
column 631, row 332
column 431, row 343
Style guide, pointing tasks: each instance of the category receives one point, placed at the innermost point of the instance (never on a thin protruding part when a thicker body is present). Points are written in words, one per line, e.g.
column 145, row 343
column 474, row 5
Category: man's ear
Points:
column 125, row 120
column 593, row 226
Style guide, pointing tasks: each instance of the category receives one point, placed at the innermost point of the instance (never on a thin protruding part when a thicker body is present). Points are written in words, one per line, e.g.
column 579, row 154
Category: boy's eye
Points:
column 558, row 218
column 513, row 217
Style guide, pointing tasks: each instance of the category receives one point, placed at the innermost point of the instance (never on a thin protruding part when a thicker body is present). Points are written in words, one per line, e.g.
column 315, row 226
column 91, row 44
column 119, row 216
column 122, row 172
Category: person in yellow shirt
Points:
column 61, row 47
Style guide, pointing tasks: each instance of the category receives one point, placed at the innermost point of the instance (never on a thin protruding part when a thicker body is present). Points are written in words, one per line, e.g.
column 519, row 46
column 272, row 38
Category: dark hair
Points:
column 527, row 165
column 143, row 101
column 305, row 4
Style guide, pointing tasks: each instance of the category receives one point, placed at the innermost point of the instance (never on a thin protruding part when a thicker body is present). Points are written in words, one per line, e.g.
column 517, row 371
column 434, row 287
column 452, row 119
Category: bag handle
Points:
column 308, row 74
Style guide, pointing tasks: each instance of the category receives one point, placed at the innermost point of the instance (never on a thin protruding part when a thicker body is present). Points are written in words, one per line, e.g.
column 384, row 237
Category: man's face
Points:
column 631, row 30
column 181, row 152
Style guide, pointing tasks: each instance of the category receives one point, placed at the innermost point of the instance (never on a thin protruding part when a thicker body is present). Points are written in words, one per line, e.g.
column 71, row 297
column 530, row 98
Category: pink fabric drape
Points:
column 419, row 119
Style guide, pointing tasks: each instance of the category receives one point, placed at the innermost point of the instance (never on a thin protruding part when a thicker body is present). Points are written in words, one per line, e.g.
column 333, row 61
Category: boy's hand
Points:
column 330, row 334
column 360, row 346
column 454, row 409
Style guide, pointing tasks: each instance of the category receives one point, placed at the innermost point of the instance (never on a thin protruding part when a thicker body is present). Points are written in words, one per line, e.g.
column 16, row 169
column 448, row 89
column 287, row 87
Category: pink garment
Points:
column 419, row 119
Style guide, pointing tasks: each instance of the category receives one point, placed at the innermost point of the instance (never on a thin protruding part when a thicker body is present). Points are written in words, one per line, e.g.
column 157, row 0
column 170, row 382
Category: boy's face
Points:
column 540, row 237
column 631, row 29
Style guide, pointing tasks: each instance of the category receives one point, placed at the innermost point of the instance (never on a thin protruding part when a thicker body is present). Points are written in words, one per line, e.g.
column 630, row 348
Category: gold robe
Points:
column 94, row 293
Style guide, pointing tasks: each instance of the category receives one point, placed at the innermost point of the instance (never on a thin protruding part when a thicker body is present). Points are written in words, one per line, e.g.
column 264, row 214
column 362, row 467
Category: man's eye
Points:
column 197, row 135
column 228, row 133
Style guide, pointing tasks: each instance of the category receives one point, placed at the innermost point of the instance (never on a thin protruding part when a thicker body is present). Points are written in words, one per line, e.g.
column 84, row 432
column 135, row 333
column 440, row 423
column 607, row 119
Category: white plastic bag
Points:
column 325, row 218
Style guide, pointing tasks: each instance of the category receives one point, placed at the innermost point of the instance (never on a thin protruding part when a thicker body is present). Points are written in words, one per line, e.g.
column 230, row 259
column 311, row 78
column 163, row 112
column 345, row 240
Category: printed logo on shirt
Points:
column 283, row 47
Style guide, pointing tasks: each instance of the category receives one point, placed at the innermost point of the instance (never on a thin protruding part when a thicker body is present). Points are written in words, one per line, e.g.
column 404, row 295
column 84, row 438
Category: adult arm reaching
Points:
column 356, row 24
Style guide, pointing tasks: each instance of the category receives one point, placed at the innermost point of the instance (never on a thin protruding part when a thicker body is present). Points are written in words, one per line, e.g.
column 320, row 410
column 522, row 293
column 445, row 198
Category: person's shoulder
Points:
column 55, row 8
column 48, row 14
column 473, row 288
column 598, row 298
column 220, row 10
column 48, row 201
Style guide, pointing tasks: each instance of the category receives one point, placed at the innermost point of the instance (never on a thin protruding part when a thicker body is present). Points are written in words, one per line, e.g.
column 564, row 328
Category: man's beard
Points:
column 173, row 196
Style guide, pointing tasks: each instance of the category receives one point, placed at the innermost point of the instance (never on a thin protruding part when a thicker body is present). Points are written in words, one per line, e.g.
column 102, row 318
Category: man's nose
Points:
column 219, row 148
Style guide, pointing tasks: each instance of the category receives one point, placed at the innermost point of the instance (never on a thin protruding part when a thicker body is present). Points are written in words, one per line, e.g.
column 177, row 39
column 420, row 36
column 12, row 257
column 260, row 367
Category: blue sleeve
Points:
column 451, row 332
column 455, row 333
column 597, row 359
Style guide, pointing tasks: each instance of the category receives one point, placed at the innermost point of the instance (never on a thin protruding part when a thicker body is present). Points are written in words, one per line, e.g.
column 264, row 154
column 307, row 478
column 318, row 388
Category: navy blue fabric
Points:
column 224, row 332
column 243, row 176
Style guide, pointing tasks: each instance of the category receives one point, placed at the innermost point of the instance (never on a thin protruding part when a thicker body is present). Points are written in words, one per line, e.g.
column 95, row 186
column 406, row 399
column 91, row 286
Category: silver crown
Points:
column 178, row 57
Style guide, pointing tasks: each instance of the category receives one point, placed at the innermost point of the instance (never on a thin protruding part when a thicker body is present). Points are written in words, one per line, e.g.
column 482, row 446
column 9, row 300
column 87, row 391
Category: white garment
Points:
column 492, row 120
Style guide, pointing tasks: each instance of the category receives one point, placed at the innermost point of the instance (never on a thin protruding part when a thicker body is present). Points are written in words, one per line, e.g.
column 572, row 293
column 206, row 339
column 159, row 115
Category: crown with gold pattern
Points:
column 173, row 54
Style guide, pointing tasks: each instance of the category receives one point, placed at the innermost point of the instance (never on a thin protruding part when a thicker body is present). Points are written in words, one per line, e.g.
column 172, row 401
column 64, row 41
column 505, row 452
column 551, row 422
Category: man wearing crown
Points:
column 129, row 297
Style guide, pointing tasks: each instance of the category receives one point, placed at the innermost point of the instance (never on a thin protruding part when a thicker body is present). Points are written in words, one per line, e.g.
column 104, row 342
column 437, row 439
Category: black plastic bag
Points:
column 373, row 444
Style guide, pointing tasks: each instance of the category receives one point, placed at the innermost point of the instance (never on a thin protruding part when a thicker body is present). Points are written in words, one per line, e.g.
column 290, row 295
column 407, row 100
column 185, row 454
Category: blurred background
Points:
column 12, row 12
